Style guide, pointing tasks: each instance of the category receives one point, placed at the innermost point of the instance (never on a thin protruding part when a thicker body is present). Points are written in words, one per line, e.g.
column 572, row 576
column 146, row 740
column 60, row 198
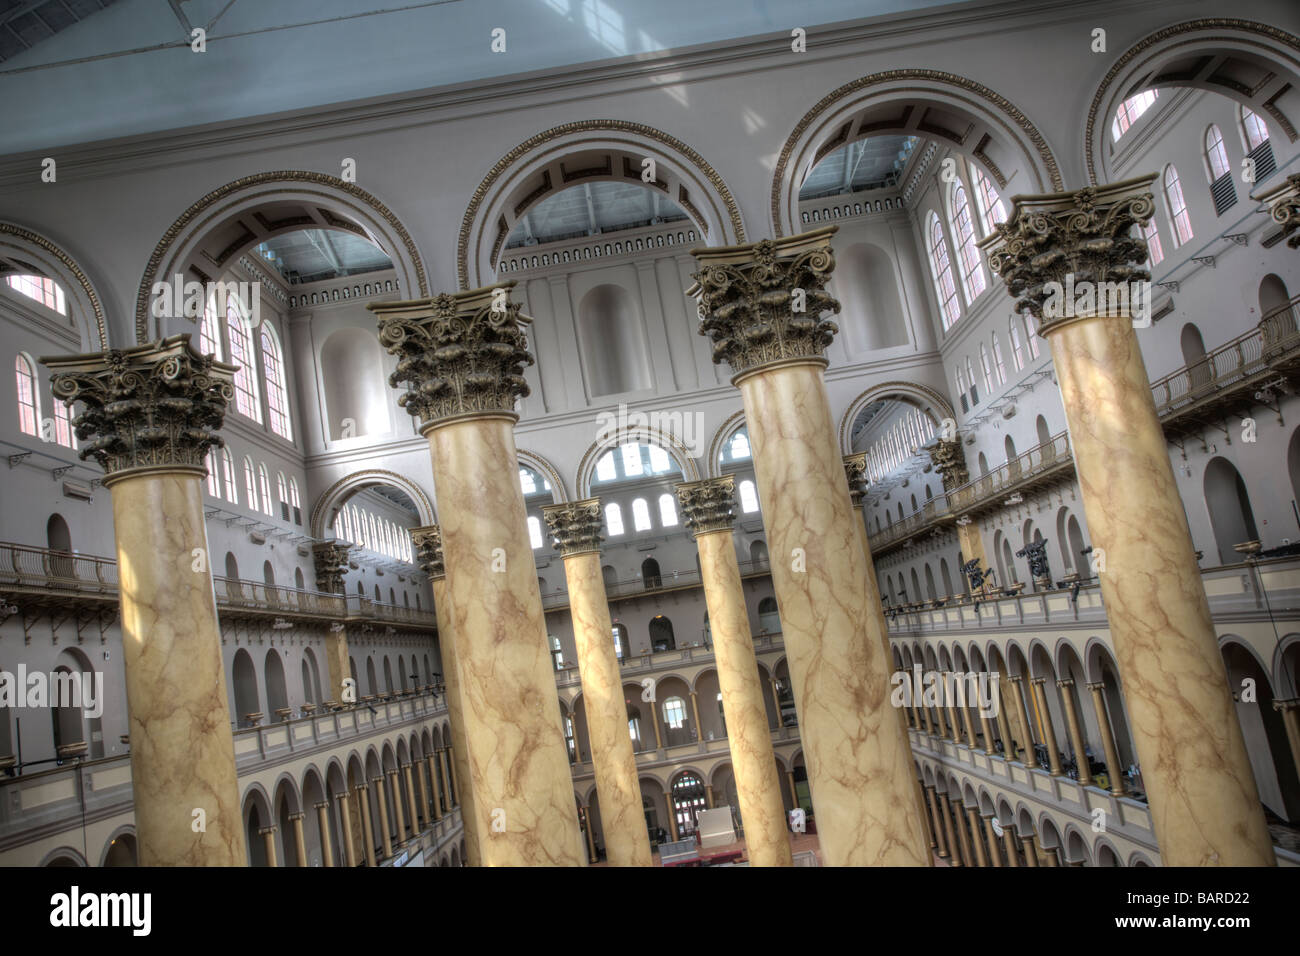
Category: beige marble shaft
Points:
column 518, row 761
column 622, row 820
column 182, row 750
column 753, row 761
column 323, row 824
column 1205, row 807
column 1113, row 768
column 456, row 710
column 336, row 658
column 858, row 759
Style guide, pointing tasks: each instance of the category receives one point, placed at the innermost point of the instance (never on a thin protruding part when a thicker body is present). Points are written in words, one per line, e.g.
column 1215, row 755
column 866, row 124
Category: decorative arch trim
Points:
column 653, row 436
column 548, row 471
column 85, row 303
column 336, row 492
column 733, row 422
column 921, row 395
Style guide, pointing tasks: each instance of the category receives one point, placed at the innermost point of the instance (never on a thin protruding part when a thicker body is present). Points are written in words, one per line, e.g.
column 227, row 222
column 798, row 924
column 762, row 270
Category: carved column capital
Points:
column 331, row 561
column 575, row 526
column 855, row 470
column 427, row 542
column 152, row 408
column 950, row 461
column 708, row 505
column 762, row 304
column 460, row 355
column 1051, row 245
column 1283, row 201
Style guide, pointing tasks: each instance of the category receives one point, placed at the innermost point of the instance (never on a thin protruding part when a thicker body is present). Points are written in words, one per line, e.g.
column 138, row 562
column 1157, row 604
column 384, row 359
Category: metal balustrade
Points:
column 649, row 584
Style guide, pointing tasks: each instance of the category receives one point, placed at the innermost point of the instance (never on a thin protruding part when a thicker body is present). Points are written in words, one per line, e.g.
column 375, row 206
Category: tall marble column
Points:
column 268, row 843
column 1018, row 704
column 461, row 357
column 937, row 822
column 367, row 824
column 976, row 839
column 1205, row 807
column 1049, row 732
column 958, row 857
column 399, row 815
column 299, row 837
column 575, row 528
column 323, row 824
column 345, row 818
column 707, row 510
column 331, row 561
column 1066, row 686
column 412, row 808
column 1113, row 769
column 381, row 801
column 762, row 306
column 149, row 415
column 995, row 851
column 1009, row 845
column 584, row 820
column 437, row 793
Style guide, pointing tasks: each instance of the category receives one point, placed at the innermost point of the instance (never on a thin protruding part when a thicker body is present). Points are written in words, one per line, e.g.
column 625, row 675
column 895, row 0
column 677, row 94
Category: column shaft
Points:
column 411, row 805
column 367, row 826
column 323, row 824
column 1049, row 732
column 448, row 643
column 1076, row 733
column 977, row 841
column 995, row 852
column 937, row 818
column 399, row 814
column 345, row 818
column 299, row 839
column 1113, row 768
column 958, row 849
column 381, row 801
column 1009, row 844
column 268, row 842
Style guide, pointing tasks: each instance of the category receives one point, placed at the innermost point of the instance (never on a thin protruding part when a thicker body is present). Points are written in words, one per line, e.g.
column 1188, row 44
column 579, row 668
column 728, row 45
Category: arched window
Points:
column 63, row 433
column 1017, row 350
column 667, row 510
column 988, row 369
column 48, row 292
column 1130, row 110
column 739, row 445
column 294, row 501
column 214, row 473
column 1254, row 129
column 1177, row 207
column 241, row 354
column 970, row 377
column 29, row 409
column 209, row 335
column 228, row 476
column 659, row 460
column 941, row 272
column 641, row 515
column 986, row 198
column 277, row 398
column 264, row 482
column 675, row 712
column 250, row 483
column 605, row 467
column 534, row 532
column 748, row 497
column 999, row 366
column 968, row 257
column 614, row 519
column 1031, row 336
column 282, row 490
column 1151, row 233
column 1215, row 154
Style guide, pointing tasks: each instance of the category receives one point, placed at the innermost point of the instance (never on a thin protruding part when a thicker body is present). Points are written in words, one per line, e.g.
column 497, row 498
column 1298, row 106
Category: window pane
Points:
column 631, row 460
column 748, row 497
column 1177, row 206
column 241, row 354
column 1152, row 236
column 605, row 469
column 941, row 272
column 1256, row 130
column 277, row 399
column 614, row 519
column 1130, row 110
column 667, row 510
column 1215, row 153
column 972, row 270
column 534, row 532
column 641, row 515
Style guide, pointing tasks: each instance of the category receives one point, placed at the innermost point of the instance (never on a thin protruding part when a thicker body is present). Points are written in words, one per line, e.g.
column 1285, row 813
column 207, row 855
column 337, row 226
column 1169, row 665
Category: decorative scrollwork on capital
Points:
column 155, row 406
column 708, row 505
column 950, row 461
column 855, row 470
column 575, row 526
column 762, row 304
column 427, row 542
column 458, row 354
column 331, row 561
column 1283, row 202
column 1060, row 241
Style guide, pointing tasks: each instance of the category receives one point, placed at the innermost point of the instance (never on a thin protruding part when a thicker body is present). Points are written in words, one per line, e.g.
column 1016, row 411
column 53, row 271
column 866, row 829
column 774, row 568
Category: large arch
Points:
column 923, row 397
column 1225, row 55
column 966, row 114
column 542, row 165
column 559, row 494
column 233, row 217
column 322, row 514
column 651, row 436
column 24, row 248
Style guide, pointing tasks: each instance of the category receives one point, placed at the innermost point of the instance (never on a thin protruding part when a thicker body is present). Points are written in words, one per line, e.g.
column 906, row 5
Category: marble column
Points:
column 585, row 822
column 672, row 815
column 1031, row 849
column 418, row 768
column 654, row 721
column 1113, row 768
column 1027, row 737
column 461, row 358
column 575, row 529
column 1076, row 733
column 1205, row 807
column 449, row 779
column 937, row 822
column 1049, row 732
column 381, row 801
column 977, row 841
column 268, row 841
column 794, row 790
column 149, row 416
column 323, row 823
column 995, row 852
column 970, row 724
column 331, row 561
column 299, row 837
column 1004, row 724
column 707, row 510
column 959, row 850
column 1290, row 710
column 695, row 713
column 411, row 806
column 395, row 783
column 345, row 818
column 367, row 825
column 708, row 797
column 762, row 307
column 990, row 747
column 1009, row 844
column 427, row 542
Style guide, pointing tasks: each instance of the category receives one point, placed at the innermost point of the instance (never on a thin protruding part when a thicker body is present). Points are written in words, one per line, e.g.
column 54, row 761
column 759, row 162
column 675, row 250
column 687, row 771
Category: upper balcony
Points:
column 662, row 582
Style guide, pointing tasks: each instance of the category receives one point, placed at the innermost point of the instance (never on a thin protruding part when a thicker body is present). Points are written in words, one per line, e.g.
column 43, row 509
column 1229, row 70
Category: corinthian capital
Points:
column 331, row 561
column 427, row 542
column 761, row 304
column 1061, row 241
column 1283, row 201
column 575, row 526
column 459, row 354
column 155, row 407
column 950, row 461
column 708, row 505
column 855, row 470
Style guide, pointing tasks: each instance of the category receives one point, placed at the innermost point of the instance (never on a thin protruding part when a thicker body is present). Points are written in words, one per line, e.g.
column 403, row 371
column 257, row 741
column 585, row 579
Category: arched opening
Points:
column 688, row 800
column 758, row 553
column 277, row 692
column 1264, row 732
column 122, row 851
column 615, row 355
column 247, row 702
column 1228, row 503
column 356, row 393
column 1040, row 428
column 1198, row 367
column 769, row 619
column 865, row 279
column 650, row 576
column 59, row 540
column 661, row 634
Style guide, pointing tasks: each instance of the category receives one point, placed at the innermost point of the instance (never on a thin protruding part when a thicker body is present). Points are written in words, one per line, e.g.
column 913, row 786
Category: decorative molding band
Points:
column 97, row 307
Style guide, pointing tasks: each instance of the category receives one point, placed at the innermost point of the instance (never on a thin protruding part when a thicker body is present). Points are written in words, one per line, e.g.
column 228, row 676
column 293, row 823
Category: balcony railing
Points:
column 650, row 583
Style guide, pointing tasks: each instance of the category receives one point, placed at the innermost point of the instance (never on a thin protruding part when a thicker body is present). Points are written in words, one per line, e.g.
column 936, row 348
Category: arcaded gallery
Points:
column 599, row 433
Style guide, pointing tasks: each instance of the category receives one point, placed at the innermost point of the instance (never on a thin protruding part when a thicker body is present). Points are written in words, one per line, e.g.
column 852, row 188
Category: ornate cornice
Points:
column 855, row 470
column 1060, row 240
column 427, row 542
column 1283, row 201
column 950, row 461
column 1210, row 27
column 588, row 126
column 260, row 179
column 155, row 407
column 331, row 561
column 363, row 479
column 761, row 304
column 575, row 526
column 97, row 307
column 459, row 355
column 938, row 77
column 708, row 505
